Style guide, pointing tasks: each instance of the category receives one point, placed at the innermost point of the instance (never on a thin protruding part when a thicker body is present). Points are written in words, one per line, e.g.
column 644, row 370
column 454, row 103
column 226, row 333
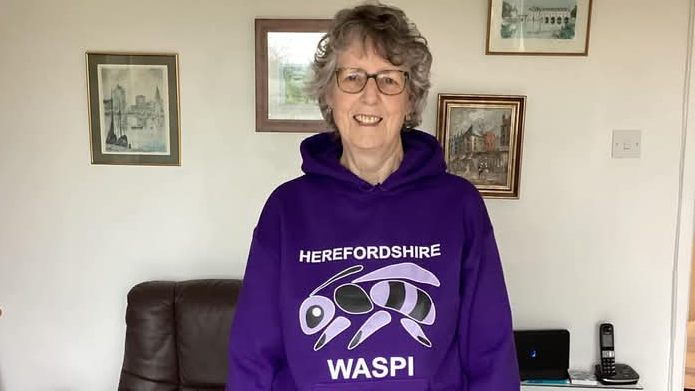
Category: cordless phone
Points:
column 608, row 372
column 607, row 349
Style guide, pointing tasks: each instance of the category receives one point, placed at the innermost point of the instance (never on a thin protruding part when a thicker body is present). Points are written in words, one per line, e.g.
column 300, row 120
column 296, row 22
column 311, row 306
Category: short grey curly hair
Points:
column 393, row 36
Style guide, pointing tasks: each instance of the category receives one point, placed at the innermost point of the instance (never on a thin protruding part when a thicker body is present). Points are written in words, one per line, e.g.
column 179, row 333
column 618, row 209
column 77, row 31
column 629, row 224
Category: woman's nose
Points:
column 370, row 94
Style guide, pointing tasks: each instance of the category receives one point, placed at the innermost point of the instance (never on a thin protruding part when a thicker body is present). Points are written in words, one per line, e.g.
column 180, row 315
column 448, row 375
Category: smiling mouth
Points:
column 367, row 120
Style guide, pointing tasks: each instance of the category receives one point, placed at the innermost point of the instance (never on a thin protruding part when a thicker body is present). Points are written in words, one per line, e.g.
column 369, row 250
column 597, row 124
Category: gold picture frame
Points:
column 481, row 136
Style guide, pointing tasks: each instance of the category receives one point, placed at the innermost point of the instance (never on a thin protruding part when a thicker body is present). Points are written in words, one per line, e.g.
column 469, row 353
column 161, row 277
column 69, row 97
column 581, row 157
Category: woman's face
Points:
column 368, row 120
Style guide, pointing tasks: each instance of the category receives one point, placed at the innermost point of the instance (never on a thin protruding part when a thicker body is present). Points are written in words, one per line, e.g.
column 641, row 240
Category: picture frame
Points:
column 133, row 105
column 482, row 136
column 538, row 27
column 284, row 53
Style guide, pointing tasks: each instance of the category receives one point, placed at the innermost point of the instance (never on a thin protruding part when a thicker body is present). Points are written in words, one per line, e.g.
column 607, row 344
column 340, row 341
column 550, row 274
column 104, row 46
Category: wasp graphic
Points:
column 317, row 312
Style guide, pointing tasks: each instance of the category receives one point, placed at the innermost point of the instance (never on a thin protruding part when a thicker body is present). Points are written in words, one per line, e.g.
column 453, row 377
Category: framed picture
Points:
column 284, row 53
column 133, row 103
column 481, row 136
column 542, row 27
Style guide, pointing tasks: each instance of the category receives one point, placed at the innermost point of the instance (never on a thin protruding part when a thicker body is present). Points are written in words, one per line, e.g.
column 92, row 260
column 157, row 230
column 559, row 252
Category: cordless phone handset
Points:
column 607, row 349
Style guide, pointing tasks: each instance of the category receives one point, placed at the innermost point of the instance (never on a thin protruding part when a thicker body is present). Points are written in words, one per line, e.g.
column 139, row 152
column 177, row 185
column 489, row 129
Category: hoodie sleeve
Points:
column 255, row 344
column 485, row 330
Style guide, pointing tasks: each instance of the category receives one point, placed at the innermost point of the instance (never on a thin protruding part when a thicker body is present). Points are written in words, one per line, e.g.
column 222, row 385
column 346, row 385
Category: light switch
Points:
column 627, row 143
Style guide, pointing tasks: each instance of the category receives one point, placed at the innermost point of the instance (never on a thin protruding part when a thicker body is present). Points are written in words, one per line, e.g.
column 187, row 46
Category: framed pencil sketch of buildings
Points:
column 538, row 27
column 133, row 101
column 482, row 138
column 284, row 53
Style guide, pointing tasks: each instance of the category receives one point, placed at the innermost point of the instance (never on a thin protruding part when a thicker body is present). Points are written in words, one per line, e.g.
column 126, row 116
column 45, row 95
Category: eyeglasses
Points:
column 389, row 82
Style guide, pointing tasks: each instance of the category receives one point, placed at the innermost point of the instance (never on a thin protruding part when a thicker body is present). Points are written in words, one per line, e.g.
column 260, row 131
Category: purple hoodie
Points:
column 391, row 287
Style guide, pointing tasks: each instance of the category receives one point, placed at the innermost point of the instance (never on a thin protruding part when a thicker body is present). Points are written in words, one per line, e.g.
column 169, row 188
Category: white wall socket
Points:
column 627, row 143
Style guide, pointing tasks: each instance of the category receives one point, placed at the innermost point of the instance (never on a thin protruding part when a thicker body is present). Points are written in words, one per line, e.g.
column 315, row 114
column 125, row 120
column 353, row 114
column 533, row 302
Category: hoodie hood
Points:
column 423, row 157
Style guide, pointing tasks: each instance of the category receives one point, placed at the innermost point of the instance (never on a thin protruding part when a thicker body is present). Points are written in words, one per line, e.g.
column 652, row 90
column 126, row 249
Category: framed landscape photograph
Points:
column 538, row 27
column 284, row 53
column 482, row 136
column 133, row 105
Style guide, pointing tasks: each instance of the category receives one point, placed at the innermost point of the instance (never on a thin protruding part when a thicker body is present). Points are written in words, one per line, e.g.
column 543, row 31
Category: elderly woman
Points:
column 376, row 270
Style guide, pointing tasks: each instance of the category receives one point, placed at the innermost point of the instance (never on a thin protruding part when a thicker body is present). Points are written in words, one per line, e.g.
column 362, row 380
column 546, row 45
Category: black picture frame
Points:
column 147, row 108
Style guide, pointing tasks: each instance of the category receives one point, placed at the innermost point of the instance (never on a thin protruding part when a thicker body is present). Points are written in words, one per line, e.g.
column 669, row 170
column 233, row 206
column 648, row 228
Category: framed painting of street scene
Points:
column 284, row 53
column 539, row 27
column 482, row 138
column 133, row 105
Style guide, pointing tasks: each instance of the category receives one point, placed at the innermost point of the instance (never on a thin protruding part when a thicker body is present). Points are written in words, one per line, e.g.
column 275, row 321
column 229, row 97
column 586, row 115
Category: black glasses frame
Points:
column 406, row 75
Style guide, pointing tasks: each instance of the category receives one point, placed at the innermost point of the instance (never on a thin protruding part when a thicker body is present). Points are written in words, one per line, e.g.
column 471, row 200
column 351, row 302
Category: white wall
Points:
column 75, row 237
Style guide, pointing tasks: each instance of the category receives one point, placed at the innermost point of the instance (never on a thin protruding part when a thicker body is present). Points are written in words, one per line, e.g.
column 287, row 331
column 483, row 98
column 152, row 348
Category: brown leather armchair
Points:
column 177, row 335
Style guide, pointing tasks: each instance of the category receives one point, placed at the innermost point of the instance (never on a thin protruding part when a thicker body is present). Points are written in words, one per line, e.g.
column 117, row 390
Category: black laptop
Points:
column 542, row 354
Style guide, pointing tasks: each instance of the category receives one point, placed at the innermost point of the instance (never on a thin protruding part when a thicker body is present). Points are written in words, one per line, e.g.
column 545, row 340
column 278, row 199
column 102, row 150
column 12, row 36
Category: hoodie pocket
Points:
column 375, row 385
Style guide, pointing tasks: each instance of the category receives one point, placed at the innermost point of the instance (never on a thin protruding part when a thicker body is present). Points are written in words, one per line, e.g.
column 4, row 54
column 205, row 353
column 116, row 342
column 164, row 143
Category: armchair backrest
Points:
column 177, row 335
